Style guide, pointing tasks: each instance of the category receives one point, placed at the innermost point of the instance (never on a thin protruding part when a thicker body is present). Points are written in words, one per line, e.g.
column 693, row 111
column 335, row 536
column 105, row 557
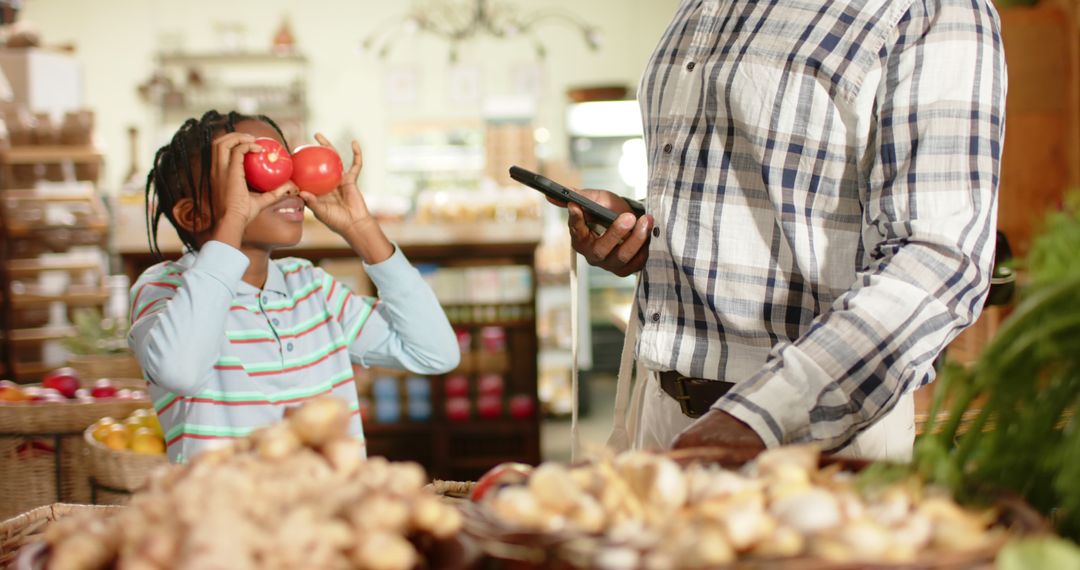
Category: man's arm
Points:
column 930, row 208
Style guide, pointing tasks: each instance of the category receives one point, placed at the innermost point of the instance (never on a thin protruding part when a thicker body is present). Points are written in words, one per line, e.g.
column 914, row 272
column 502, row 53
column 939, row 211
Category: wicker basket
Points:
column 43, row 453
column 115, row 475
column 92, row 367
column 28, row 527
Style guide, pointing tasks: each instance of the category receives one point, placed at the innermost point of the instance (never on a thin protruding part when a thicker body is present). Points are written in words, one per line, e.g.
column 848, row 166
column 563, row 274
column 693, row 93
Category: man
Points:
column 822, row 206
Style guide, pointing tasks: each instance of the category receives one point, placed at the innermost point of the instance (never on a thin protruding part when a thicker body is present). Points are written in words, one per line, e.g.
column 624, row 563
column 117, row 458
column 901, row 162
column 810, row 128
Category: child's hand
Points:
column 344, row 211
column 234, row 205
column 343, row 208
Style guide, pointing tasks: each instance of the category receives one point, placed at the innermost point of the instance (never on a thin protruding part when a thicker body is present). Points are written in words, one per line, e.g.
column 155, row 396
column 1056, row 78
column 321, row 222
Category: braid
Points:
column 172, row 177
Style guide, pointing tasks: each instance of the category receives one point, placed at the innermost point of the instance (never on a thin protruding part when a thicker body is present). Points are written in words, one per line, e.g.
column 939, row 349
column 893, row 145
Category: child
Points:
column 228, row 337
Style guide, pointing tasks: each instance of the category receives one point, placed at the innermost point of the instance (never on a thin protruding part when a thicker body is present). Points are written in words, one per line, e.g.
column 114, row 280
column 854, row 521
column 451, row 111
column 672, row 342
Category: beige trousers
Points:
column 659, row 420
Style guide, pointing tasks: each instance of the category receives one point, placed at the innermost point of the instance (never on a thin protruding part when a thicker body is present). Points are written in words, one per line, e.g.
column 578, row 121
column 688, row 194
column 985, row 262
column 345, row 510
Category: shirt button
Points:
column 656, row 317
column 656, row 232
column 266, row 300
column 667, row 148
column 690, row 66
column 275, row 322
column 288, row 347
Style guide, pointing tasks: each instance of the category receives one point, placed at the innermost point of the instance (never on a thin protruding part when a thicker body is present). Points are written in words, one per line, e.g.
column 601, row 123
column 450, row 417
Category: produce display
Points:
column 140, row 433
column 646, row 510
column 64, row 385
column 294, row 495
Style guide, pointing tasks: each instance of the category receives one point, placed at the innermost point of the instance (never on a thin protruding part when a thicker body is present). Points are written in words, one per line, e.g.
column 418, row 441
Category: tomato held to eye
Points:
column 266, row 171
column 316, row 169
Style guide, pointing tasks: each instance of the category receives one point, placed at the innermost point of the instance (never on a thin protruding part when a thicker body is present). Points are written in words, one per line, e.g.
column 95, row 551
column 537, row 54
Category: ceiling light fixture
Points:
column 458, row 22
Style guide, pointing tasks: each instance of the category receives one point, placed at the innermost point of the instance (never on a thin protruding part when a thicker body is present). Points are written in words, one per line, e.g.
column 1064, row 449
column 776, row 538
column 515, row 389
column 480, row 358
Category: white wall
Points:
column 117, row 40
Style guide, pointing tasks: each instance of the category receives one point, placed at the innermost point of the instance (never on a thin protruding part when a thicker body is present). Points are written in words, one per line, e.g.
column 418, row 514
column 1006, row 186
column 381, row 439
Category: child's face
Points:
column 282, row 224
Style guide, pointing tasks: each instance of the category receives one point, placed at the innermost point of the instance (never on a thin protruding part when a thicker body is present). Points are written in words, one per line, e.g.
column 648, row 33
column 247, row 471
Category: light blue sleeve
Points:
column 178, row 319
column 407, row 327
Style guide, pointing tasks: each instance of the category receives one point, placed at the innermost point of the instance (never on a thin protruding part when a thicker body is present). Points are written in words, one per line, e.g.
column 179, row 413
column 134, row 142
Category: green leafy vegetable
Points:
column 1024, row 438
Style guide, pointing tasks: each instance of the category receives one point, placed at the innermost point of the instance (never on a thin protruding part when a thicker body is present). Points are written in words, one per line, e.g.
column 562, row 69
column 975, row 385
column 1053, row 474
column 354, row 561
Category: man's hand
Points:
column 720, row 429
column 623, row 248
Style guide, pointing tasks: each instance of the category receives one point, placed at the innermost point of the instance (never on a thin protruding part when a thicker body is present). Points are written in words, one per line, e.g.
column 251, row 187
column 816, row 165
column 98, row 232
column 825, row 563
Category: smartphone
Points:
column 598, row 213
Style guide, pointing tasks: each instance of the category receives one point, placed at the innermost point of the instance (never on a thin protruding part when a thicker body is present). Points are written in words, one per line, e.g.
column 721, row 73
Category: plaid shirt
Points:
column 823, row 177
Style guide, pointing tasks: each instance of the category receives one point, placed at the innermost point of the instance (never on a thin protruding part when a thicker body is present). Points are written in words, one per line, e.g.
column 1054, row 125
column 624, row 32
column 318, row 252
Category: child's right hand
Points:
column 234, row 205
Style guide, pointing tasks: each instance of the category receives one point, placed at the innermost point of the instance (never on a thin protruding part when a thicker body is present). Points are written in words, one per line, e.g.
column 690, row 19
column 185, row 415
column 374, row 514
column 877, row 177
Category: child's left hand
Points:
column 343, row 208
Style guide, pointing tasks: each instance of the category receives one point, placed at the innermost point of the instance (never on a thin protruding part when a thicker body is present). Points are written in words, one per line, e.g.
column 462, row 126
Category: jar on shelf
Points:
column 77, row 127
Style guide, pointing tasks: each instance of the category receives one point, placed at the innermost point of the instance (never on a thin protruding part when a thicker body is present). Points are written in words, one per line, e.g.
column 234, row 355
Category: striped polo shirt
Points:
column 223, row 357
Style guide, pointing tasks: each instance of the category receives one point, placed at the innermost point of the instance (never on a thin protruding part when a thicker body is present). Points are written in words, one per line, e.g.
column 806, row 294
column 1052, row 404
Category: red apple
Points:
column 103, row 388
column 457, row 386
column 500, row 475
column 457, row 409
column 522, row 406
column 63, row 380
column 489, row 407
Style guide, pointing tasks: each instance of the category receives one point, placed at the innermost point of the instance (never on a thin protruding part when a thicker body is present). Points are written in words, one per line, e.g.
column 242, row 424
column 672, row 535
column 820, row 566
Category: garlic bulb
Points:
column 808, row 512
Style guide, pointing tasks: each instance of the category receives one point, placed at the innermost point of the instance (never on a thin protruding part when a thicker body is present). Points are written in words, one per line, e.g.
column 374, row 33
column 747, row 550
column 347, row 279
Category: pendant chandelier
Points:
column 460, row 21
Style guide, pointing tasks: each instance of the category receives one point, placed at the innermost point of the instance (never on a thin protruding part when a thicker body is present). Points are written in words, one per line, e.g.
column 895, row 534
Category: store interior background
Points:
column 427, row 122
column 415, row 94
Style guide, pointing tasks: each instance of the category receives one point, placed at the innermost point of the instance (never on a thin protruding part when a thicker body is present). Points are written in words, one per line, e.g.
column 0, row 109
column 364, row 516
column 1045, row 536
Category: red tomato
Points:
column 266, row 171
column 316, row 169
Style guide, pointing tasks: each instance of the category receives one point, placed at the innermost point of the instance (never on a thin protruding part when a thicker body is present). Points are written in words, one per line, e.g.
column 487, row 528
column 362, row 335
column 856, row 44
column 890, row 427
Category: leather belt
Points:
column 694, row 395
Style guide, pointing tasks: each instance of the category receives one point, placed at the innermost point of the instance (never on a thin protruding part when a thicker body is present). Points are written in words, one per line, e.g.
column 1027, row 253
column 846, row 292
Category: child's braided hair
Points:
column 173, row 176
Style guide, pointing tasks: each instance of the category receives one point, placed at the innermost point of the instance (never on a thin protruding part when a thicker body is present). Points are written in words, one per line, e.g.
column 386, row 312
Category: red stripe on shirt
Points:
column 300, row 367
column 297, row 302
column 330, row 295
column 199, row 436
column 198, row 400
column 343, row 305
column 310, row 329
column 147, row 308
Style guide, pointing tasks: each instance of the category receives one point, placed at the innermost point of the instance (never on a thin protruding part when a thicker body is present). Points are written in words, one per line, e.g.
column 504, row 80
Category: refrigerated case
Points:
column 608, row 149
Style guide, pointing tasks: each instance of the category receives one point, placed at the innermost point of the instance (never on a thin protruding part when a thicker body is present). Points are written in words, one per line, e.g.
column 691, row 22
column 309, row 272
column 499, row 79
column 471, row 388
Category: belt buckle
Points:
column 683, row 397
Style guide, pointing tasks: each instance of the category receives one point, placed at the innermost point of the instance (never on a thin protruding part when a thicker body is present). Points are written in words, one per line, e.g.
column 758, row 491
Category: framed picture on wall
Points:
column 464, row 85
column 401, row 85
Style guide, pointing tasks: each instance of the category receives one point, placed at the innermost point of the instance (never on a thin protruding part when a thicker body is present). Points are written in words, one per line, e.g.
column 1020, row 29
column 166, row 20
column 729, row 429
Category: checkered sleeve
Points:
column 929, row 192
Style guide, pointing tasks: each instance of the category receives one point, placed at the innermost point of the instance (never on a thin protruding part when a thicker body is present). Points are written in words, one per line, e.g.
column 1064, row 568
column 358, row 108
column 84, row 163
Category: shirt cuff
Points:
column 222, row 262
column 776, row 401
column 391, row 273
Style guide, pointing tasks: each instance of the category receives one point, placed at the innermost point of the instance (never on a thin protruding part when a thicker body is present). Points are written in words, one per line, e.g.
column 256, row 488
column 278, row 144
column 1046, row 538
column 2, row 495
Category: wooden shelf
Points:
column 502, row 425
column 26, row 267
column 50, row 154
column 31, row 370
column 38, row 335
column 375, row 428
column 76, row 295
column 225, row 58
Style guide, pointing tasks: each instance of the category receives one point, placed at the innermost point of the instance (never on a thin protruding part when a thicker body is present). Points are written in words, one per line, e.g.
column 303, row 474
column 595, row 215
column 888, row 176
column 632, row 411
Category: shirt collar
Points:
column 275, row 278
